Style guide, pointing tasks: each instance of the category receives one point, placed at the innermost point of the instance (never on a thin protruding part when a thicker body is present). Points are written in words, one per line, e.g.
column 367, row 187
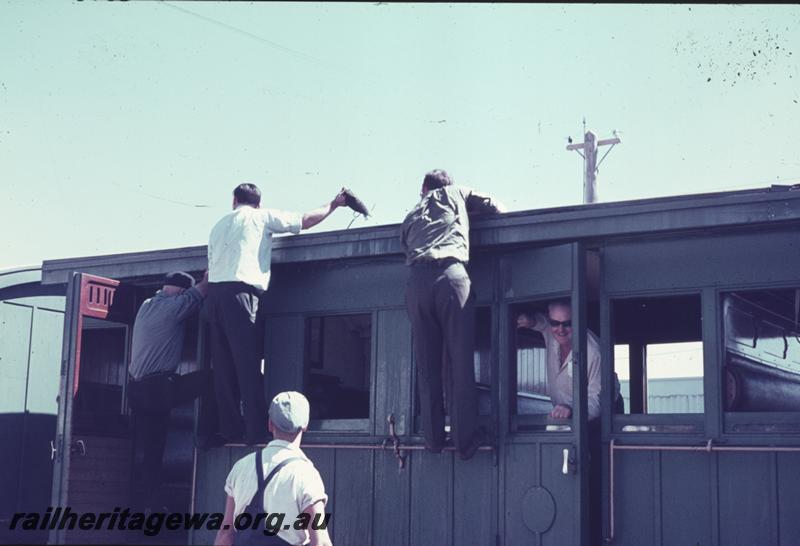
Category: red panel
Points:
column 97, row 297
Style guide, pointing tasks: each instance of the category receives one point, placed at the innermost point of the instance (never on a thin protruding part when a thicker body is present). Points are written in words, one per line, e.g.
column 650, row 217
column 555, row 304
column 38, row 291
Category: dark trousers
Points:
column 236, row 348
column 151, row 400
column 442, row 313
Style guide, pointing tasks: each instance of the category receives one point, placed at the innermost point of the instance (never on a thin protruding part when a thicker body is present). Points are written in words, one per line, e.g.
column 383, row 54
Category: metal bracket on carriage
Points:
column 78, row 447
column 401, row 459
column 393, row 442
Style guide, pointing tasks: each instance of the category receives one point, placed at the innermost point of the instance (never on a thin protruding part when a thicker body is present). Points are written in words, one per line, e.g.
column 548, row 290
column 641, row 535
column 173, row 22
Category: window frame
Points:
column 331, row 426
column 537, row 423
column 779, row 427
column 488, row 420
column 648, row 424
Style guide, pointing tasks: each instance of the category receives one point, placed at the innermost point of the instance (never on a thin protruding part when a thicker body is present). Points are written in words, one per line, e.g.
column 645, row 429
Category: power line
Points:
column 165, row 199
column 366, row 78
column 243, row 32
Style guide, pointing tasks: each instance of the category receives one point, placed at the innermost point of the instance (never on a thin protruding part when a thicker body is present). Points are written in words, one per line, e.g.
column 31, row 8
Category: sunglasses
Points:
column 557, row 323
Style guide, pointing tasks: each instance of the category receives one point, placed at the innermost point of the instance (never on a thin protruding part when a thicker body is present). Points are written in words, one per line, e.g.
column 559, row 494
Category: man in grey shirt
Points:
column 435, row 238
column 155, row 387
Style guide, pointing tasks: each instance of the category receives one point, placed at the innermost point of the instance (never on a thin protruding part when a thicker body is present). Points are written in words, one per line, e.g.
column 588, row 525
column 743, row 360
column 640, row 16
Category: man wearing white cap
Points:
column 279, row 479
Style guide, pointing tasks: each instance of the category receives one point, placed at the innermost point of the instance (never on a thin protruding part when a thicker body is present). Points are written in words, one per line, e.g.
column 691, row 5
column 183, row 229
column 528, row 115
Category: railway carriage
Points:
column 695, row 300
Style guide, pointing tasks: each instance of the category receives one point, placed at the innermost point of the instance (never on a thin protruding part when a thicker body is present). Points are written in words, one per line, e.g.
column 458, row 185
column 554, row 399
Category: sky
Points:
column 124, row 126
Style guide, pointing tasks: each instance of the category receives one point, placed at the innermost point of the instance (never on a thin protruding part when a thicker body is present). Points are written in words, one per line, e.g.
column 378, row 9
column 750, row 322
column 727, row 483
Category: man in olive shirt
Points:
column 155, row 387
column 435, row 238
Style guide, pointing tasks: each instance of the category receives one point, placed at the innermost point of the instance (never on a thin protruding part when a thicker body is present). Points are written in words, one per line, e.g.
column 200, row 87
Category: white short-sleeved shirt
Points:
column 559, row 376
column 294, row 488
column 240, row 244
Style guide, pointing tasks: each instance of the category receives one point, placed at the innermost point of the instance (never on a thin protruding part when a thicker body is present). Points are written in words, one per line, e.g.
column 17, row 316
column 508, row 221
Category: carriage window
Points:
column 762, row 350
column 102, row 370
column 531, row 392
column 658, row 354
column 483, row 359
column 482, row 362
column 674, row 377
column 531, row 339
column 339, row 350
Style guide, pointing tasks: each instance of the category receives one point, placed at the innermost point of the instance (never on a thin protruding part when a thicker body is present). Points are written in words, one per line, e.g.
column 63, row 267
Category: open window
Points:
column 338, row 368
column 483, row 359
column 658, row 357
column 99, row 407
column 532, row 381
column 532, row 395
column 761, row 364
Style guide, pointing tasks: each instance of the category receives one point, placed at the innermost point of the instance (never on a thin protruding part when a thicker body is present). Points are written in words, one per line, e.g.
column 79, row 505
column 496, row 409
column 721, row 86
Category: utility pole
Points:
column 589, row 146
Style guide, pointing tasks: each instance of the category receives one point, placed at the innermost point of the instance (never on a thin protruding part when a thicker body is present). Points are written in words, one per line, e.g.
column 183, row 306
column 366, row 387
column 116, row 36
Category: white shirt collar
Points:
column 283, row 444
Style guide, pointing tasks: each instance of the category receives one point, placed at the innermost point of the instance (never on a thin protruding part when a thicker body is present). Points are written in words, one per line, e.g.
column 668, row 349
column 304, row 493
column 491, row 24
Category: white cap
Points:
column 289, row 411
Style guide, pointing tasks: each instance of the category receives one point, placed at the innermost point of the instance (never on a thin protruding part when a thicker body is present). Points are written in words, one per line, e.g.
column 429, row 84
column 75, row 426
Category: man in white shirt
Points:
column 556, row 329
column 295, row 491
column 239, row 253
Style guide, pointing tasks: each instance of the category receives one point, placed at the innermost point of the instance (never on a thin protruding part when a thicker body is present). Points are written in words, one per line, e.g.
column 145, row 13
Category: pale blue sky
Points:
column 117, row 117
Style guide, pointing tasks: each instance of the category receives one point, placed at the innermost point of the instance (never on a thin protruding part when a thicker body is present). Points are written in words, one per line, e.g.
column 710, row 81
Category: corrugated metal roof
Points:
column 674, row 395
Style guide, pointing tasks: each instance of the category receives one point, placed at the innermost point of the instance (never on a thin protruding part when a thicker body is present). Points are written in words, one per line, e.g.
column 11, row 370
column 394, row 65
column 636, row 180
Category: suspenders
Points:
column 256, row 537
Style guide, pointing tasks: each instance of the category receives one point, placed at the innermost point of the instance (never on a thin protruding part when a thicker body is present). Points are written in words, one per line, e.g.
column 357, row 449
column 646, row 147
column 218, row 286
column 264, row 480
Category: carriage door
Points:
column 91, row 450
column 544, row 460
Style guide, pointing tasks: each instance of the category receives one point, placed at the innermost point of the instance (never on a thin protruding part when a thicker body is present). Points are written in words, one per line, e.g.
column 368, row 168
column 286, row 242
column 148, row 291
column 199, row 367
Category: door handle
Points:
column 52, row 450
column 569, row 462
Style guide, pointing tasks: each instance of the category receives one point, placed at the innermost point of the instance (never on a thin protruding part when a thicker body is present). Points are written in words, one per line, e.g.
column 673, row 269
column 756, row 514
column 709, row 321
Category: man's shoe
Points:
column 480, row 438
column 471, row 449
column 355, row 203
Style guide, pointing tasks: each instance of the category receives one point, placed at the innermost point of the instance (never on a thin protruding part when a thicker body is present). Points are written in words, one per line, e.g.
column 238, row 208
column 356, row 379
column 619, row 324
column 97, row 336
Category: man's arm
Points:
column 202, row 286
column 314, row 217
column 225, row 535
column 536, row 322
column 319, row 537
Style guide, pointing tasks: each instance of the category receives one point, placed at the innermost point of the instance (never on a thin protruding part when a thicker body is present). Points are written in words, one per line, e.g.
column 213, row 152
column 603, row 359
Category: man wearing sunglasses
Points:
column 556, row 329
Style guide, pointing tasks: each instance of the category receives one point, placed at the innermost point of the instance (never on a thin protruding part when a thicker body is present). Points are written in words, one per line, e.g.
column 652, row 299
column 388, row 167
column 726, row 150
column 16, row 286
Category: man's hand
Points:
column 340, row 199
column 318, row 537
column 202, row 286
column 226, row 534
column 561, row 412
column 525, row 321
